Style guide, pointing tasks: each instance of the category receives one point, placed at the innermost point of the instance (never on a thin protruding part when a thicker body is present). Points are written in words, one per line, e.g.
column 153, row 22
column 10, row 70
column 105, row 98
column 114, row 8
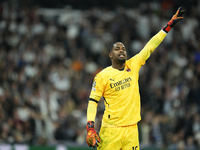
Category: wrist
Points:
column 166, row 28
column 90, row 125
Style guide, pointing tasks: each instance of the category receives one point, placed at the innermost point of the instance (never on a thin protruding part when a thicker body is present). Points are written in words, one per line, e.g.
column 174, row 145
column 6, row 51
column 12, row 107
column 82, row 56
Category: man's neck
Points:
column 119, row 66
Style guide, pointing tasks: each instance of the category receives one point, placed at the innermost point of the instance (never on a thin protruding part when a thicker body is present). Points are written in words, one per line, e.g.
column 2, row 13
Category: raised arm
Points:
column 155, row 41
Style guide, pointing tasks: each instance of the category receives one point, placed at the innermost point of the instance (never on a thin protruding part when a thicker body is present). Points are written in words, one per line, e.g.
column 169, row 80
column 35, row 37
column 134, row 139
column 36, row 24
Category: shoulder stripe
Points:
column 106, row 101
column 91, row 99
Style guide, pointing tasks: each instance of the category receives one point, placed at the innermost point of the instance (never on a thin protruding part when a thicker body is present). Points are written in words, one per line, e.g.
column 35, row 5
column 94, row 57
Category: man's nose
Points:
column 121, row 50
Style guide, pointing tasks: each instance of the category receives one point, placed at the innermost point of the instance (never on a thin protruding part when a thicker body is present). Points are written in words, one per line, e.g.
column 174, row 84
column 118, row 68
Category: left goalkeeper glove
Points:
column 176, row 18
column 92, row 138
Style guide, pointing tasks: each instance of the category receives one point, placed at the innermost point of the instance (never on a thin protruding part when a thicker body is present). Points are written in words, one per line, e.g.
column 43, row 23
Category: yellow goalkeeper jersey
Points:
column 120, row 89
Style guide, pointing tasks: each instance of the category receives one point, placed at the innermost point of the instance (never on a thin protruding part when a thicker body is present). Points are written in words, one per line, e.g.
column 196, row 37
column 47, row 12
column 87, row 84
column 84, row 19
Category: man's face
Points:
column 118, row 53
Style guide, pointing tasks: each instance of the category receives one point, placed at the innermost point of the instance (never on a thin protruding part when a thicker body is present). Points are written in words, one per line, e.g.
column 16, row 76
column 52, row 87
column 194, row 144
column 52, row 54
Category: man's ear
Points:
column 110, row 55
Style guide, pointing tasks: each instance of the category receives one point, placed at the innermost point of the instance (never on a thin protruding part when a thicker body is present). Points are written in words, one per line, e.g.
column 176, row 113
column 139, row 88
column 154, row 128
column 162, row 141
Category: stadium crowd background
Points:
column 49, row 57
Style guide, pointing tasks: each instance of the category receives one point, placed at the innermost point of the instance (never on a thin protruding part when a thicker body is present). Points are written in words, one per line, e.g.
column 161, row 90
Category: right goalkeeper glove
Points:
column 176, row 18
column 92, row 138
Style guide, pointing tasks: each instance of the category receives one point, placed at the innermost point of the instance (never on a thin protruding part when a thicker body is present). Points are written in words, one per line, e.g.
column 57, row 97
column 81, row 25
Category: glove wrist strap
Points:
column 90, row 125
column 166, row 28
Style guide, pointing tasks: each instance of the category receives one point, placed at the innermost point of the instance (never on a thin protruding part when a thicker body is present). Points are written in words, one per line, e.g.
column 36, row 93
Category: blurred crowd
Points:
column 49, row 57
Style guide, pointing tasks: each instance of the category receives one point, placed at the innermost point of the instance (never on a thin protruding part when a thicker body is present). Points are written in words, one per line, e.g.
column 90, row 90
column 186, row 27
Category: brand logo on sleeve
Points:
column 93, row 86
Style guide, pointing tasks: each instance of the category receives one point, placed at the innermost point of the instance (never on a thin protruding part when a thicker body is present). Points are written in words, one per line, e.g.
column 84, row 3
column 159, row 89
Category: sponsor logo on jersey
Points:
column 124, row 81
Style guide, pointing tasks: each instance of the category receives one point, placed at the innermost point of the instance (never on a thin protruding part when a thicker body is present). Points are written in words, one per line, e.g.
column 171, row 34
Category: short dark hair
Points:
column 111, row 47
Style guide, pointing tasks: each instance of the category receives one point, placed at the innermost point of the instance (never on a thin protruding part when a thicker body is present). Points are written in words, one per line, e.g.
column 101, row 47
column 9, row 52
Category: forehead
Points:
column 118, row 44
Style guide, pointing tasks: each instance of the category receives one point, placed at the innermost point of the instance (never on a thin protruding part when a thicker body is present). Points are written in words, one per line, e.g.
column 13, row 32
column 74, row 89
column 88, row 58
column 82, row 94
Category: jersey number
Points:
column 135, row 148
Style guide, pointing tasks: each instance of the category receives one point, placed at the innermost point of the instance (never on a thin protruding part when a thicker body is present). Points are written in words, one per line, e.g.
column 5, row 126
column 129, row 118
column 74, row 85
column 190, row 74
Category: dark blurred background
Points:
column 110, row 4
column 51, row 50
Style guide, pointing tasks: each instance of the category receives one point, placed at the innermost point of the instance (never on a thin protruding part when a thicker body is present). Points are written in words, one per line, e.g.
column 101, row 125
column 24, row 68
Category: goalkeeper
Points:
column 118, row 84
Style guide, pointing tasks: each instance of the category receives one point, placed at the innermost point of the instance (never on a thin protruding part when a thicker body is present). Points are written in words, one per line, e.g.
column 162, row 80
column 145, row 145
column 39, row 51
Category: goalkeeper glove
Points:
column 92, row 138
column 176, row 18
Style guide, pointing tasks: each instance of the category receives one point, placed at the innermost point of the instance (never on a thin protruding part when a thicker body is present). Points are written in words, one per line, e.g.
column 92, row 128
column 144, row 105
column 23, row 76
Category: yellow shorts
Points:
column 119, row 138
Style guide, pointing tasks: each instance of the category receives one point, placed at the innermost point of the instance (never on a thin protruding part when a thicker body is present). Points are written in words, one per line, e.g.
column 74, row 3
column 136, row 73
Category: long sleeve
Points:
column 91, row 111
column 153, row 43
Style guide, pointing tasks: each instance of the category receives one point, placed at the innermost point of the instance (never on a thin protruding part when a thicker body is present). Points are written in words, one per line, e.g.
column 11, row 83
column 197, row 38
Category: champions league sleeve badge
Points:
column 93, row 86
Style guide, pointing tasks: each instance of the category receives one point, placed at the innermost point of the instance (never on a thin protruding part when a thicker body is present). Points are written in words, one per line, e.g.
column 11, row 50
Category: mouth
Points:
column 121, row 55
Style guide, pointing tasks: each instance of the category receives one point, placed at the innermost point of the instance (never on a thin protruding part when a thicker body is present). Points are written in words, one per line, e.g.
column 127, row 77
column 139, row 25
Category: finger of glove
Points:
column 176, row 17
column 181, row 12
column 96, row 144
column 177, row 20
column 98, row 138
column 89, row 142
column 90, row 145
column 92, row 142
column 90, row 139
column 177, row 12
column 96, row 141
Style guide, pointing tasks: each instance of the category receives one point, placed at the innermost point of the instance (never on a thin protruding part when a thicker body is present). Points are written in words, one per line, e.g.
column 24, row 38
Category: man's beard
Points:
column 121, row 61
